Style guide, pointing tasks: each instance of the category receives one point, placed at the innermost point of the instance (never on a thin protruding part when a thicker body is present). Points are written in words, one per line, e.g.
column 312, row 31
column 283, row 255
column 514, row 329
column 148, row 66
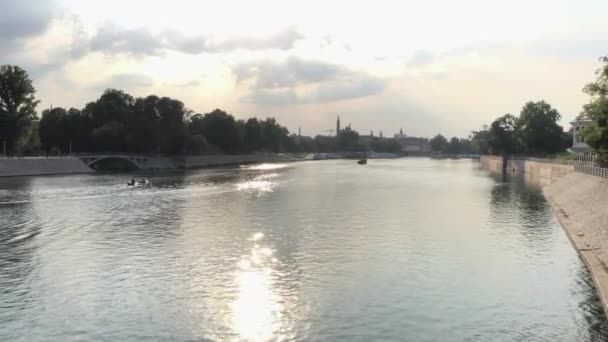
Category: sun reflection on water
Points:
column 256, row 312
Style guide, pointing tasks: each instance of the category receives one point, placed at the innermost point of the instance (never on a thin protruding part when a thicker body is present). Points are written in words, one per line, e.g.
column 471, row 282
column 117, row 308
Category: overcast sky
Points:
column 425, row 66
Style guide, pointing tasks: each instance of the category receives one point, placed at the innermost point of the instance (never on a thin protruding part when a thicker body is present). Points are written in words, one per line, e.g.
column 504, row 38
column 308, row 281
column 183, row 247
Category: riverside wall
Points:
column 532, row 169
column 579, row 202
column 196, row 162
column 41, row 166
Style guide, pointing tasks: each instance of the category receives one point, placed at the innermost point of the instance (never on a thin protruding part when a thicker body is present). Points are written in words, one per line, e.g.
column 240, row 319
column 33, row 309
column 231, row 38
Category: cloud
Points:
column 126, row 81
column 360, row 85
column 22, row 19
column 297, row 81
column 283, row 40
column 141, row 42
column 421, row 58
column 137, row 42
column 294, row 71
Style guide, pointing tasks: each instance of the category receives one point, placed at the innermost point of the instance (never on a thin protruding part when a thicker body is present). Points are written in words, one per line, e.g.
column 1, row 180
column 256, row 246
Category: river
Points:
column 398, row 250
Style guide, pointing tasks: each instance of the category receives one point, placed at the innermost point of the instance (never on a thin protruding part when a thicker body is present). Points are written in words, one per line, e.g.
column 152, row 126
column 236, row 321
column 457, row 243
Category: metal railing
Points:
column 592, row 170
column 583, row 163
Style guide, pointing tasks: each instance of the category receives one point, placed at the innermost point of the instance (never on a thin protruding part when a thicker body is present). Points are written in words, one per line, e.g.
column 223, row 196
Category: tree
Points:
column 51, row 129
column 348, row 141
column 220, row 130
column 144, row 126
column 112, row 111
column 385, row 145
column 274, row 136
column 502, row 135
column 454, row 146
column 596, row 135
column 173, row 115
column 439, row 143
column 17, row 104
column 480, row 140
column 253, row 134
column 537, row 129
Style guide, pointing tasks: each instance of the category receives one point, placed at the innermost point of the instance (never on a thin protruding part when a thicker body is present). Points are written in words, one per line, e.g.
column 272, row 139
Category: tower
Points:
column 338, row 126
column 299, row 131
column 401, row 132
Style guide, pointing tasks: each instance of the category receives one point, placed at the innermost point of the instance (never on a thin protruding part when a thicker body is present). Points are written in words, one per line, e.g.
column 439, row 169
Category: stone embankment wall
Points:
column 579, row 201
column 491, row 163
column 41, row 166
column 194, row 162
column 532, row 169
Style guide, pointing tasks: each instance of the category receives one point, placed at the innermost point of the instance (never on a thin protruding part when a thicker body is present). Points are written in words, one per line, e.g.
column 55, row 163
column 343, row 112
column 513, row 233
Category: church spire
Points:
column 338, row 126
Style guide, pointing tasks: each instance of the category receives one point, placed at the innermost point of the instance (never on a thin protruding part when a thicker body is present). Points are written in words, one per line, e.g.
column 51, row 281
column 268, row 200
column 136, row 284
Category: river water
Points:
column 398, row 250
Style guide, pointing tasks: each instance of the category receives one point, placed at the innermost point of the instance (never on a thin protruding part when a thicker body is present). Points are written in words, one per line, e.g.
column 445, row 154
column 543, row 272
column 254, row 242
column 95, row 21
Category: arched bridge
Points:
column 138, row 161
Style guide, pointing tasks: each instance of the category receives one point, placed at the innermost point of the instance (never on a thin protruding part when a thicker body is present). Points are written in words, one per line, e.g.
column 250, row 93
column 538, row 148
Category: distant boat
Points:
column 362, row 162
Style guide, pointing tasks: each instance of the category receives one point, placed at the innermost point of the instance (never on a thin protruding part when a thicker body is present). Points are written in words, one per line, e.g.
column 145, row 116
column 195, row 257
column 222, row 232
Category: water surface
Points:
column 398, row 250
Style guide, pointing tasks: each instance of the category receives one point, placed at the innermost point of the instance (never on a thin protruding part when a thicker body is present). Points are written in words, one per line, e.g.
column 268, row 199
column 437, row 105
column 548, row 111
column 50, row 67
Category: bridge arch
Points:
column 135, row 163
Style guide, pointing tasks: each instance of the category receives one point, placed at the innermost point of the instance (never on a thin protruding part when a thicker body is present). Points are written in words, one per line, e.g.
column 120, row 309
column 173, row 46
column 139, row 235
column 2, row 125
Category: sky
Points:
column 427, row 67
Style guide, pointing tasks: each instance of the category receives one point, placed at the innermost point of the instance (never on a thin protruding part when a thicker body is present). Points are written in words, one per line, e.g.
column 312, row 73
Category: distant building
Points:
column 578, row 140
column 413, row 145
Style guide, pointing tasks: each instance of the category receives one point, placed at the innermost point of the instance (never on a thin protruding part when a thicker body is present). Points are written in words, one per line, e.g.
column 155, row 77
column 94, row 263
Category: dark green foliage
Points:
column 439, row 143
column 348, row 141
column 596, row 135
column 17, row 105
column 480, row 140
column 537, row 129
column 503, row 139
column 385, row 145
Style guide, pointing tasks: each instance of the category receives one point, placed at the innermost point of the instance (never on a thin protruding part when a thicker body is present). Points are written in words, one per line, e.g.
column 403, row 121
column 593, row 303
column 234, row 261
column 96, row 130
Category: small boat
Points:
column 140, row 182
column 362, row 162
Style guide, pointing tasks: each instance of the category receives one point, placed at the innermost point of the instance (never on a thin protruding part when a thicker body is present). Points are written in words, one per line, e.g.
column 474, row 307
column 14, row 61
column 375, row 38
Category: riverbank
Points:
column 42, row 166
column 579, row 202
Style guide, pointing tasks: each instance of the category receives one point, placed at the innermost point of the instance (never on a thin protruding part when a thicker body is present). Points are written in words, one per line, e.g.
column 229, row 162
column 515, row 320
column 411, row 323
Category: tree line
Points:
column 119, row 122
column 454, row 146
column 535, row 132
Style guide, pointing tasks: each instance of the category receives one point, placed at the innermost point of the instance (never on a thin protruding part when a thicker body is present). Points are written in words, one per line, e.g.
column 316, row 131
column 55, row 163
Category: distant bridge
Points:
column 139, row 161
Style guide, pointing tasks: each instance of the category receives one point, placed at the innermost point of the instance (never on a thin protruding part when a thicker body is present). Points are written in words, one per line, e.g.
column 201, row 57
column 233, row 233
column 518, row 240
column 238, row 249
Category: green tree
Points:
column 503, row 139
column 439, row 143
column 144, row 125
column 348, row 141
column 173, row 116
column 326, row 144
column 385, row 145
column 51, row 129
column 274, row 136
column 17, row 104
column 596, row 135
column 537, row 129
column 220, row 130
column 453, row 146
column 253, row 134
column 480, row 140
